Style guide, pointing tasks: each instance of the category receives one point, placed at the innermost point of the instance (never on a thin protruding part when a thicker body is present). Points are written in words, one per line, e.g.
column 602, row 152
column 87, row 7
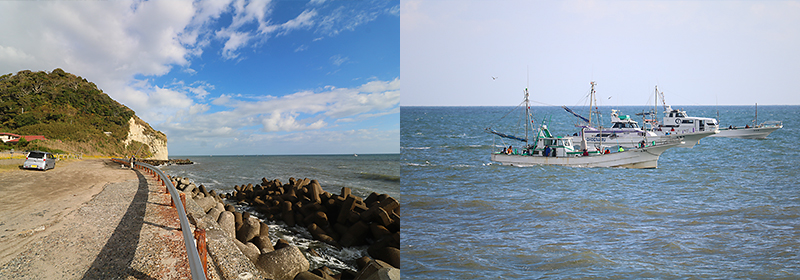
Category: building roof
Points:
column 26, row 137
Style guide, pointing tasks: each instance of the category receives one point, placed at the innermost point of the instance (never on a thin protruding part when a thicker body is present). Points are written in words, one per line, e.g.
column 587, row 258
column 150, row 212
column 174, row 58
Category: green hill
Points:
column 71, row 112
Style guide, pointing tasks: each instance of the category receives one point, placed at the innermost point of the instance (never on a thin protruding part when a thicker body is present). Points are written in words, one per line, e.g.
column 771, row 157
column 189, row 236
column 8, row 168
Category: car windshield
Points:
column 36, row 155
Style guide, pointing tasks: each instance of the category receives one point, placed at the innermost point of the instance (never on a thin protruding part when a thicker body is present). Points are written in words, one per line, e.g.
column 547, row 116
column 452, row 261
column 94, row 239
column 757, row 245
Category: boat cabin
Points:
column 677, row 121
column 554, row 146
column 624, row 121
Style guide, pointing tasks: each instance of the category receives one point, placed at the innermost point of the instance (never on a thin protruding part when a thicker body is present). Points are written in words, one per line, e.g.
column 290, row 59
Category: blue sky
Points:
column 231, row 76
column 697, row 52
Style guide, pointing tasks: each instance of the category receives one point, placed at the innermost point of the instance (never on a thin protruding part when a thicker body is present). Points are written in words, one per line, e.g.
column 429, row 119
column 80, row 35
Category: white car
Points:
column 39, row 160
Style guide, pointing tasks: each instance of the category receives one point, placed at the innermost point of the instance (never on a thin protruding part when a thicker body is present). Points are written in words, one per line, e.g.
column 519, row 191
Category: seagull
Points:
column 494, row 78
column 609, row 97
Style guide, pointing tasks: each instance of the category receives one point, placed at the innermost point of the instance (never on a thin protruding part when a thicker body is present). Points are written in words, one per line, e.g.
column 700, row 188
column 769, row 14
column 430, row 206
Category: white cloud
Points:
column 13, row 55
column 234, row 41
column 338, row 59
column 301, row 111
column 200, row 89
column 301, row 48
column 278, row 121
column 304, row 20
column 222, row 100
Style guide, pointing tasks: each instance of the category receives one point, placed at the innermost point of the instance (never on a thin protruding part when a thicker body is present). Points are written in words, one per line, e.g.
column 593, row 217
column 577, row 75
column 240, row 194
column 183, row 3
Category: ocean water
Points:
column 363, row 174
column 728, row 208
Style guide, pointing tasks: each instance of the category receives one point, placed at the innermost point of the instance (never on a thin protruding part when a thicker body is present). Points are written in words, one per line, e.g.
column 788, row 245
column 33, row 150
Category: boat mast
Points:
column 592, row 98
column 527, row 116
column 527, row 104
column 655, row 107
column 755, row 121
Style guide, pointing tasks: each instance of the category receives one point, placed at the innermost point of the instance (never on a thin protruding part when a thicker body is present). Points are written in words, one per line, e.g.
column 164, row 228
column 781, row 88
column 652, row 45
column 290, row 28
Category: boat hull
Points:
column 747, row 133
column 636, row 158
column 690, row 138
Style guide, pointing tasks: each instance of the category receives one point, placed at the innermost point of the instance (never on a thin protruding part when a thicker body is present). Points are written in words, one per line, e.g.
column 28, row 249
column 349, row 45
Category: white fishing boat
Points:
column 547, row 149
column 624, row 131
column 760, row 131
column 677, row 123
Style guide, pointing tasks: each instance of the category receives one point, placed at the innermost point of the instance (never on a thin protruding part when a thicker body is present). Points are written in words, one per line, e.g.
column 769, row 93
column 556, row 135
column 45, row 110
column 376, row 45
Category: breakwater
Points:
column 160, row 162
column 342, row 220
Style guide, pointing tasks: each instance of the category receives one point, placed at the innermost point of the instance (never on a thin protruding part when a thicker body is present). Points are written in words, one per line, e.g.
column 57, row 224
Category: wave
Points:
column 415, row 148
column 379, row 177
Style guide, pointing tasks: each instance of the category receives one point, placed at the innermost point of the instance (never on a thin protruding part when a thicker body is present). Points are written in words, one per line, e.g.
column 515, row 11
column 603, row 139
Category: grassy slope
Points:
column 67, row 109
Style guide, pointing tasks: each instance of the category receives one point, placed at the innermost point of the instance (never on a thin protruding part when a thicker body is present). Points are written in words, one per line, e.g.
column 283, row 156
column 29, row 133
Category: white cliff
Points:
column 141, row 132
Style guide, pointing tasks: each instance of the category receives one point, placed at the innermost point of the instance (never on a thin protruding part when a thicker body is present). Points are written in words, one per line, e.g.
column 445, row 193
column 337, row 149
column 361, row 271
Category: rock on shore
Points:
column 341, row 220
column 159, row 162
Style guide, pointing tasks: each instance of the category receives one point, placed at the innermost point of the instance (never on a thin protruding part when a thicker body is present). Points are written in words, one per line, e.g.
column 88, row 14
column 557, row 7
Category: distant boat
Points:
column 760, row 131
column 355, row 155
column 547, row 149
column 677, row 123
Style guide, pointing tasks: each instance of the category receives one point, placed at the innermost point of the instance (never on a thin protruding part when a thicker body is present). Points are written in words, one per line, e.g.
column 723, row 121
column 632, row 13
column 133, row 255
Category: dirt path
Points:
column 33, row 202
column 92, row 219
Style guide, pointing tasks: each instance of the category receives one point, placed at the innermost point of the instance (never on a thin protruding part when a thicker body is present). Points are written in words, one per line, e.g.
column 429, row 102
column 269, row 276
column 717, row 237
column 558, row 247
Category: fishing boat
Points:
column 677, row 123
column 624, row 131
column 547, row 149
column 760, row 131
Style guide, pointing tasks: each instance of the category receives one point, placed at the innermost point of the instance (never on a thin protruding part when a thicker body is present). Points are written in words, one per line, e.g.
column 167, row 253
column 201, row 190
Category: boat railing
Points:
column 663, row 141
column 196, row 265
column 771, row 124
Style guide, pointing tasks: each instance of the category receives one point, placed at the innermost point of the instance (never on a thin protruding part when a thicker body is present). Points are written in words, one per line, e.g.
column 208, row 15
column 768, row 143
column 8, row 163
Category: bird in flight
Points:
column 494, row 78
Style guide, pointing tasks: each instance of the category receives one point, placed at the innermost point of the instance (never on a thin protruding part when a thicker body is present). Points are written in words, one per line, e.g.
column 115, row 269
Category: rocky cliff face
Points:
column 141, row 132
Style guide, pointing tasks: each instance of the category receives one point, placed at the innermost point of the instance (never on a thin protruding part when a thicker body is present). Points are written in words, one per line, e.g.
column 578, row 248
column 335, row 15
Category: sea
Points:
column 727, row 208
column 362, row 173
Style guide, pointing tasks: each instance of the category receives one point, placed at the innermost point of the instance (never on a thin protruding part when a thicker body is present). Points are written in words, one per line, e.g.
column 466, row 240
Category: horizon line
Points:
column 595, row 105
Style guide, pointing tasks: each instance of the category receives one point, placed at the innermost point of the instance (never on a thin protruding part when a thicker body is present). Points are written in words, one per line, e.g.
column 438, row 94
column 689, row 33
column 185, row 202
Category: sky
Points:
column 696, row 52
column 228, row 77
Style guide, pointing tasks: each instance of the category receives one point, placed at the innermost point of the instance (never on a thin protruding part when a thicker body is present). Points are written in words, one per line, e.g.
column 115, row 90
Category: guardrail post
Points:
column 202, row 249
column 183, row 201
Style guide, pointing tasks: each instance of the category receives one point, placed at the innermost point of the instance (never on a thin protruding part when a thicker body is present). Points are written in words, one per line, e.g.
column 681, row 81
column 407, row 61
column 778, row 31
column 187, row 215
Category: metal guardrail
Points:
column 195, row 264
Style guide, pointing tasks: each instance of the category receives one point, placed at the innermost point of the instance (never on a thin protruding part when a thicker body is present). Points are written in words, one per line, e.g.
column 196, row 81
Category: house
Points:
column 14, row 138
column 7, row 137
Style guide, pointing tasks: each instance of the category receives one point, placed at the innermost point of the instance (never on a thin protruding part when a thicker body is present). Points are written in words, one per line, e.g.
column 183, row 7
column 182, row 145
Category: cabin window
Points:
column 688, row 121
